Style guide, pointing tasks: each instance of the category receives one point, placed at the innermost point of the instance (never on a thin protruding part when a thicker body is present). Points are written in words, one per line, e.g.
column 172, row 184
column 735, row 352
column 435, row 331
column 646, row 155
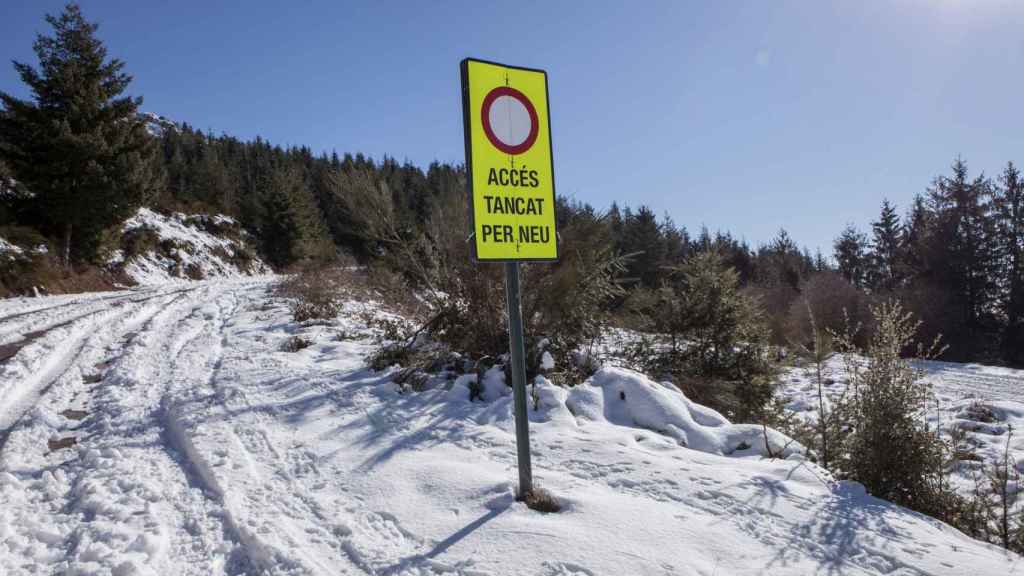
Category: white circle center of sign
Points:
column 510, row 120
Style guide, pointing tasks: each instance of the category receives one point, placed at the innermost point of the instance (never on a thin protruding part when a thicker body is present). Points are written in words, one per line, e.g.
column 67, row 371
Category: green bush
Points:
column 718, row 342
column 886, row 446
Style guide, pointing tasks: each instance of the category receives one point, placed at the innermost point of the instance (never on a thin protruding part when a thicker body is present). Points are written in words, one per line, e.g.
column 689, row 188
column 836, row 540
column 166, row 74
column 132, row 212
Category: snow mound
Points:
column 627, row 398
column 183, row 246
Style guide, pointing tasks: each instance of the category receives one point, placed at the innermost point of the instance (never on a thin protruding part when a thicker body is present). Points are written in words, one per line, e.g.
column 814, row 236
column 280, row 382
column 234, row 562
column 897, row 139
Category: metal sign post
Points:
column 510, row 178
column 515, row 340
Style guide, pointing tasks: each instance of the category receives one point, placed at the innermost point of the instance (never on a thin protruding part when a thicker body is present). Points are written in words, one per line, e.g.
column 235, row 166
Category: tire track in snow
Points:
column 79, row 301
column 40, row 376
column 282, row 528
column 45, row 502
column 133, row 506
column 202, row 401
column 249, row 554
column 291, row 510
column 12, row 340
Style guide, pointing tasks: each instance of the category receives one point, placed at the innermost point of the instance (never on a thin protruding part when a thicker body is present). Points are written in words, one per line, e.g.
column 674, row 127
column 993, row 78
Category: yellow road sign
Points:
column 509, row 162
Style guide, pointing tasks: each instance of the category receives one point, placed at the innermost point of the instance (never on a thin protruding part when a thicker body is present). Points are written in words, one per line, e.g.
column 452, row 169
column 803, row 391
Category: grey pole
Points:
column 515, row 338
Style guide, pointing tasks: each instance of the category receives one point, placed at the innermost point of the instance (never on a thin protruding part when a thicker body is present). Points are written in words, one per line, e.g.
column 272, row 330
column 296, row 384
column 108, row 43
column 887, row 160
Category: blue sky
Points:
column 744, row 116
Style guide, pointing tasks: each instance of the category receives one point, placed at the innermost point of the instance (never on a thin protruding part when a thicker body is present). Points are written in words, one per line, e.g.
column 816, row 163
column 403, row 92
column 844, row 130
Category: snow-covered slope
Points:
column 179, row 246
column 202, row 447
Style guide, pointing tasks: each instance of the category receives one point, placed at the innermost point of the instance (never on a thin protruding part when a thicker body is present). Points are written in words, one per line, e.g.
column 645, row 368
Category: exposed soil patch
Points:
column 60, row 443
column 72, row 414
column 8, row 351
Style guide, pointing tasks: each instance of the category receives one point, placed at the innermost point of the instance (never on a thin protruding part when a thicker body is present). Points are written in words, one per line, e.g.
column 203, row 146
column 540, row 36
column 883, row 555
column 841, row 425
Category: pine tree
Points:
column 961, row 256
column 642, row 236
column 782, row 263
column 884, row 269
column 885, row 446
column 820, row 263
column 1009, row 209
column 292, row 230
column 78, row 145
column 7, row 194
column 914, row 239
column 719, row 336
column 851, row 255
column 677, row 242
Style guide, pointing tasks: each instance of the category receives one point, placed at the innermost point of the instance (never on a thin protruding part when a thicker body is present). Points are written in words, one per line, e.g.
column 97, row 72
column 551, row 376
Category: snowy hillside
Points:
column 165, row 430
column 164, row 248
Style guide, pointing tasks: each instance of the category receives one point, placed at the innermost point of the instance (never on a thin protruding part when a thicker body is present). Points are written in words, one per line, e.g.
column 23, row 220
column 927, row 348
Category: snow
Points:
column 547, row 361
column 193, row 248
column 9, row 251
column 206, row 449
column 628, row 398
column 155, row 124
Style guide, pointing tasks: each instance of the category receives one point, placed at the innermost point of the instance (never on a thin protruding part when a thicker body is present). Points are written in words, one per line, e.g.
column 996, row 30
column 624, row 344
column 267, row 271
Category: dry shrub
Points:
column 296, row 343
column 931, row 305
column 194, row 272
column 834, row 304
column 726, row 397
column 390, row 288
column 464, row 301
column 776, row 301
column 540, row 500
column 313, row 293
column 564, row 304
column 980, row 412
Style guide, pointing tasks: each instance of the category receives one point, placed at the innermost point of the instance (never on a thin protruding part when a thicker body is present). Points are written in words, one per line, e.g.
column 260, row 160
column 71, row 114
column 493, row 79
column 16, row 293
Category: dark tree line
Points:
column 289, row 198
column 956, row 258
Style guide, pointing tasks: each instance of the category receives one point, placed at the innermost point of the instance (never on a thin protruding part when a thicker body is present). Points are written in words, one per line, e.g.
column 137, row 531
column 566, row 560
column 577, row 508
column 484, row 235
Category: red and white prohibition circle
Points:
column 509, row 120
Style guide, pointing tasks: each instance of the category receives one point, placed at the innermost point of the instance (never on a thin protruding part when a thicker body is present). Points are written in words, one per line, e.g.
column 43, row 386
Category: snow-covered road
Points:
column 164, row 431
column 121, row 498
